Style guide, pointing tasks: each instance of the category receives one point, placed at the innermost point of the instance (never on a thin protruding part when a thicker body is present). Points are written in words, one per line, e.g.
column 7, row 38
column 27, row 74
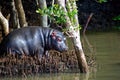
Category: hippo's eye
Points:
column 59, row 39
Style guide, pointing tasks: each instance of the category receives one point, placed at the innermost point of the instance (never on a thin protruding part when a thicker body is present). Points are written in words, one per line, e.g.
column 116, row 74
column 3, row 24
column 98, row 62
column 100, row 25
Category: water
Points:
column 107, row 47
column 108, row 55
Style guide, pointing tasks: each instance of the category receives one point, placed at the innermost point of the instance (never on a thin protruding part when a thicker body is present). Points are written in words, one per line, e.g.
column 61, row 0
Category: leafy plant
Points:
column 101, row 1
column 117, row 17
column 57, row 14
column 54, row 12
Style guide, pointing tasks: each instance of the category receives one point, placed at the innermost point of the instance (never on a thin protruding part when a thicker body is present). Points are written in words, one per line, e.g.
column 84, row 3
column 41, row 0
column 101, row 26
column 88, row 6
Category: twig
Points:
column 84, row 36
column 89, row 18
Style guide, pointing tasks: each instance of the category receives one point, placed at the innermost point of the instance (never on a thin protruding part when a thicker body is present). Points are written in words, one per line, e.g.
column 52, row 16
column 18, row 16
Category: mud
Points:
column 12, row 65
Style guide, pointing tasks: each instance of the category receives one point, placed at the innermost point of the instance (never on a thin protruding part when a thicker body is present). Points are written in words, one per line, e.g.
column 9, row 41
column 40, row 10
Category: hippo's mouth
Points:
column 63, row 49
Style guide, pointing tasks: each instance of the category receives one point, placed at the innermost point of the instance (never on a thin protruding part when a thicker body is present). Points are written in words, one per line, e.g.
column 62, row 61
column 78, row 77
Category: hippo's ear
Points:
column 53, row 35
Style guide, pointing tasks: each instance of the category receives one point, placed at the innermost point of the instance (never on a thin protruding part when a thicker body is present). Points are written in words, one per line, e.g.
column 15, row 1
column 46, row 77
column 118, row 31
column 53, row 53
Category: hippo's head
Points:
column 58, row 41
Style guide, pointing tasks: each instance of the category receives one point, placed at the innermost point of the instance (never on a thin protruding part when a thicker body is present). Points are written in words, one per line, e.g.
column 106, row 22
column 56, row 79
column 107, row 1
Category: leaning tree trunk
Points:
column 5, row 25
column 43, row 18
column 21, row 13
column 75, row 37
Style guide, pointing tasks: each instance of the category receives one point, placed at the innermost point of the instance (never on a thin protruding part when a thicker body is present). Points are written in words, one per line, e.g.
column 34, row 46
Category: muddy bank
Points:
column 56, row 62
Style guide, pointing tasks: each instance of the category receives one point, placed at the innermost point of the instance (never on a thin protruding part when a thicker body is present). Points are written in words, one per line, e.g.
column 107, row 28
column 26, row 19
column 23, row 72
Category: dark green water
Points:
column 108, row 55
column 107, row 47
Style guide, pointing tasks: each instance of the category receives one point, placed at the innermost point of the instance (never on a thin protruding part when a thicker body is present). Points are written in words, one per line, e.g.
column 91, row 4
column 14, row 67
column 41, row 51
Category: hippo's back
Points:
column 23, row 41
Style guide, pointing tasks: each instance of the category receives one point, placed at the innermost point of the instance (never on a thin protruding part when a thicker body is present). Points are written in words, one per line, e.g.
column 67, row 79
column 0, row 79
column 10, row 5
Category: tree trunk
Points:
column 14, row 15
column 21, row 13
column 75, row 36
column 43, row 18
column 4, row 24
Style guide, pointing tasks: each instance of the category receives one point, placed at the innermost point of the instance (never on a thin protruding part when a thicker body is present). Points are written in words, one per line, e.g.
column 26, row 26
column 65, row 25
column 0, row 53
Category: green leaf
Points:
column 101, row 1
column 57, row 14
column 117, row 17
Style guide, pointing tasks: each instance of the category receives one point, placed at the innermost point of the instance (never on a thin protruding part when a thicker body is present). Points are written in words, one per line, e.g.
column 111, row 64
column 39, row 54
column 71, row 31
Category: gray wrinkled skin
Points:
column 32, row 40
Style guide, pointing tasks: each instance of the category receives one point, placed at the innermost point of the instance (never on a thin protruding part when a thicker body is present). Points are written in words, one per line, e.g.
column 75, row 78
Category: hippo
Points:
column 33, row 40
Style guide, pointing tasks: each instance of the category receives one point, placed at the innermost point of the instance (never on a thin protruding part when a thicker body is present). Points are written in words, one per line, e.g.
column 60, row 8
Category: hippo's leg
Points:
column 15, row 52
column 39, row 53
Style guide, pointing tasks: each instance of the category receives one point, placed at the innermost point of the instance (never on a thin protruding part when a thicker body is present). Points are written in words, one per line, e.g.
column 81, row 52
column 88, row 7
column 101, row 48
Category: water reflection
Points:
column 60, row 76
column 64, row 76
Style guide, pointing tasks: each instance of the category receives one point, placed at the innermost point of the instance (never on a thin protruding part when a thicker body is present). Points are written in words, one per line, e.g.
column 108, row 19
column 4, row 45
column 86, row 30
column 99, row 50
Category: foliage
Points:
column 58, row 15
column 117, row 17
column 116, row 27
column 101, row 1
column 54, row 12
